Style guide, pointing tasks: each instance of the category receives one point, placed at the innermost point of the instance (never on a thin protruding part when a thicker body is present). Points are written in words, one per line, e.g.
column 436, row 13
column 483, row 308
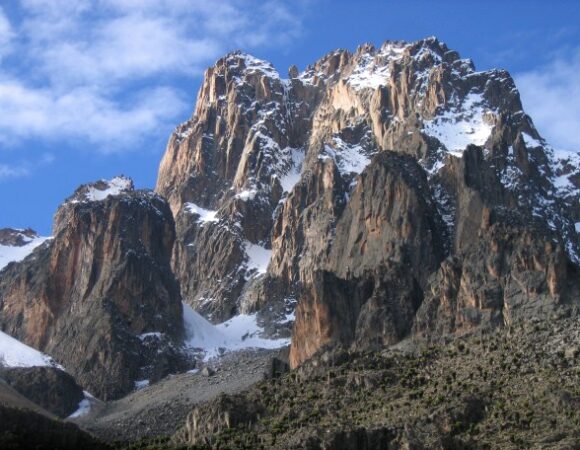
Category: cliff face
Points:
column 100, row 296
column 390, row 191
column 386, row 242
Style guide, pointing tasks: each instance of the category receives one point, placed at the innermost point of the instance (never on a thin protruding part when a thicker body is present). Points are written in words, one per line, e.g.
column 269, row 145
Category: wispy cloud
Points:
column 6, row 34
column 10, row 171
column 550, row 96
column 105, row 71
column 24, row 168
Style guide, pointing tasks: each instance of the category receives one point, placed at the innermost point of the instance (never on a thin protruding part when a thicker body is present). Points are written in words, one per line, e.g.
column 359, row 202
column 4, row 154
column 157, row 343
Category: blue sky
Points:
column 93, row 88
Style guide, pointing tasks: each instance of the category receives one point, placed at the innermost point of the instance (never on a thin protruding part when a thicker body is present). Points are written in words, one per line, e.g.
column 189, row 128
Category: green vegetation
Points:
column 512, row 389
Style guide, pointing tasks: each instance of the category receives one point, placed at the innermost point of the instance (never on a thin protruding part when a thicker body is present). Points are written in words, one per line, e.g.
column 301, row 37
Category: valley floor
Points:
column 161, row 409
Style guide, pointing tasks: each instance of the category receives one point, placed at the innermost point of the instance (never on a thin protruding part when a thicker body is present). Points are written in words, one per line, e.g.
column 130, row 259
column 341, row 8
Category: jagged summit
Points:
column 17, row 244
column 16, row 237
column 274, row 167
column 101, row 189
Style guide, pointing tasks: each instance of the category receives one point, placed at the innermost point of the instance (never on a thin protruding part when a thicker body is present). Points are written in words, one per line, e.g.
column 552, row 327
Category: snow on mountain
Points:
column 205, row 215
column 113, row 187
column 295, row 160
column 14, row 353
column 9, row 253
column 468, row 123
column 254, row 65
column 84, row 407
column 238, row 333
column 348, row 158
column 373, row 70
column 258, row 257
column 101, row 190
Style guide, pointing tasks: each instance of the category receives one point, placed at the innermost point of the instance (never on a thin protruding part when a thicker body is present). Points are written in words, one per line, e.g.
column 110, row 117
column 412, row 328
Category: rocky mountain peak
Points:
column 276, row 167
column 100, row 297
column 102, row 189
column 387, row 196
column 17, row 238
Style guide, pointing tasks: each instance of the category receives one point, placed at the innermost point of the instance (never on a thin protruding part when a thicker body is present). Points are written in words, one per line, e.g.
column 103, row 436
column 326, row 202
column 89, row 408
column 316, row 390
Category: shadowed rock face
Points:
column 103, row 281
column 27, row 429
column 49, row 387
column 386, row 242
column 511, row 274
column 375, row 178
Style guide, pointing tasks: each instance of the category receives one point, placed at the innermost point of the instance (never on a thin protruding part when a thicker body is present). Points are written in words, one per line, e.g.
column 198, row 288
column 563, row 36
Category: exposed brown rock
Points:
column 104, row 280
column 227, row 411
column 386, row 243
column 352, row 173
column 509, row 275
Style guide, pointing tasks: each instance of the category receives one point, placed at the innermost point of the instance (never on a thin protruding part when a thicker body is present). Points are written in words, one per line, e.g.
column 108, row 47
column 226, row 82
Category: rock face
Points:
column 512, row 274
column 386, row 192
column 386, row 242
column 28, row 429
column 49, row 387
column 25, row 424
column 223, row 413
column 100, row 296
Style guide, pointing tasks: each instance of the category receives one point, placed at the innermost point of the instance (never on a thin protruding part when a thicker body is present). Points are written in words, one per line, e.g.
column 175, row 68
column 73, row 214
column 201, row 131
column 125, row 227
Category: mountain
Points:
column 15, row 245
column 99, row 297
column 390, row 214
column 389, row 192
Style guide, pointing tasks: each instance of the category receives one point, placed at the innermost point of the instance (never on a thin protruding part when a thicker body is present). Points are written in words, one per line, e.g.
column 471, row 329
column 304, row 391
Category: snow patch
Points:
column 577, row 227
column 141, row 384
column 10, row 254
column 115, row 186
column 349, row 158
column 238, row 333
column 84, row 407
column 14, row 353
column 373, row 69
column 254, row 64
column 258, row 257
column 511, row 174
column 205, row 215
column 294, row 172
column 530, row 141
column 247, row 194
column 468, row 123
column 151, row 335
column 563, row 164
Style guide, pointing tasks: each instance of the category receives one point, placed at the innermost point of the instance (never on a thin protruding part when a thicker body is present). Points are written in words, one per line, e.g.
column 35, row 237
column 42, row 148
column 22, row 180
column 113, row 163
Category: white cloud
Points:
column 100, row 70
column 82, row 113
column 550, row 96
column 6, row 34
column 10, row 171
column 24, row 169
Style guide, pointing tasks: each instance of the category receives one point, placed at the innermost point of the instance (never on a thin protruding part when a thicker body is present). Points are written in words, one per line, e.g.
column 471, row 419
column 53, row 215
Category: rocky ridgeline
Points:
column 16, row 238
column 391, row 191
column 100, row 296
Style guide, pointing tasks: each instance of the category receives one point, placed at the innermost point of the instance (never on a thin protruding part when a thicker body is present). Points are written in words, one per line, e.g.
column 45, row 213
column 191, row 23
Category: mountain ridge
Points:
column 380, row 197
